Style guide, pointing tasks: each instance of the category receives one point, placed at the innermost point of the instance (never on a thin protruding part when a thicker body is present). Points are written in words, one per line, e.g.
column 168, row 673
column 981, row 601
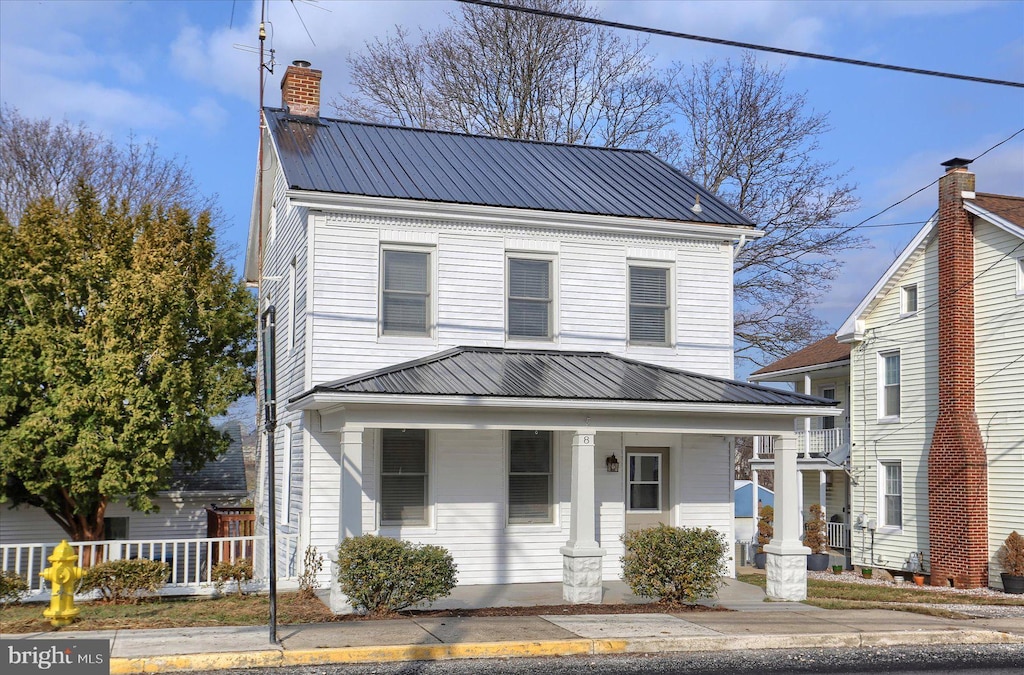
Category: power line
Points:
column 733, row 43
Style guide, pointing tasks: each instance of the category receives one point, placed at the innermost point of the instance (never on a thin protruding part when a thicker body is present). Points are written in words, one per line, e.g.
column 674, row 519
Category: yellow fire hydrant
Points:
column 62, row 574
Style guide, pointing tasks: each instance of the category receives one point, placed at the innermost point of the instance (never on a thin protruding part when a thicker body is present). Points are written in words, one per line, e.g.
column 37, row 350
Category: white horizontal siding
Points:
column 705, row 468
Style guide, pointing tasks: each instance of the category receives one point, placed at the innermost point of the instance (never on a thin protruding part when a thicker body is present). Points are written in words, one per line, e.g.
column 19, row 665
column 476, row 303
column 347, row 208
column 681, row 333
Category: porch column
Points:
column 822, row 483
column 581, row 556
column 350, row 504
column 807, row 420
column 754, row 507
column 787, row 556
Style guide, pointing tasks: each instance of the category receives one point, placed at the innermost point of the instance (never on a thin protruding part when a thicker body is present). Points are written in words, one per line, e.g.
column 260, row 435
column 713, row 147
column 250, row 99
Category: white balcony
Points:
column 815, row 443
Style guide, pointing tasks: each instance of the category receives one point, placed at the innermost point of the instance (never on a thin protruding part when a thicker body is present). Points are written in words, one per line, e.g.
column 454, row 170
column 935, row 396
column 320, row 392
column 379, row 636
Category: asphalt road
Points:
column 959, row 659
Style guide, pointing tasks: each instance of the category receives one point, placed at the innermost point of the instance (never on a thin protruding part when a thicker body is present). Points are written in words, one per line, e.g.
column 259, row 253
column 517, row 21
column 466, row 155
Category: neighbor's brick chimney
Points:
column 300, row 90
column 957, row 472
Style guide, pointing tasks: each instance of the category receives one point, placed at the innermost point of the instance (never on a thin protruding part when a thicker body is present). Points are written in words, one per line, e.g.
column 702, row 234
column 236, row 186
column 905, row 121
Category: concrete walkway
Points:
column 755, row 625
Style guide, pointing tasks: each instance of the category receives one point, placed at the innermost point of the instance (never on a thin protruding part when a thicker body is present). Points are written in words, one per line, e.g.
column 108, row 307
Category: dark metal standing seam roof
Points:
column 547, row 374
column 225, row 473
column 335, row 156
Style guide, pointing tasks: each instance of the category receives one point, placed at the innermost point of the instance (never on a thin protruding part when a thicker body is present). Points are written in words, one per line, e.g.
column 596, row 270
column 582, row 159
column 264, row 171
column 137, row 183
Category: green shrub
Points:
column 12, row 587
column 312, row 563
column 125, row 580
column 382, row 575
column 239, row 572
column 678, row 565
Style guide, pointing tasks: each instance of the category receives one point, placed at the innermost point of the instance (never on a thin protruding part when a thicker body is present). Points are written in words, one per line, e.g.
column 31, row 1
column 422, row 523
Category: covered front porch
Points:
column 533, row 489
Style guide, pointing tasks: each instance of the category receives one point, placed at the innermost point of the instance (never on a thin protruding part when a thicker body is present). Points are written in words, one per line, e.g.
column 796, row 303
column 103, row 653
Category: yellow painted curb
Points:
column 215, row 661
column 476, row 650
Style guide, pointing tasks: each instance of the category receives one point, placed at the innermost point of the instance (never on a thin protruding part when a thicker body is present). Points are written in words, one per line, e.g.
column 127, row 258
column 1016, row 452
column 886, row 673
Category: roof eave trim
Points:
column 503, row 215
column 767, row 377
column 997, row 220
column 319, row 400
column 852, row 328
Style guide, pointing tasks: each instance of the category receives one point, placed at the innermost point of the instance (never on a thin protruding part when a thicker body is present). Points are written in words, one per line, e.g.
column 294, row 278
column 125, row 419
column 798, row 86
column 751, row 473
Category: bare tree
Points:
column 515, row 75
column 40, row 158
column 754, row 144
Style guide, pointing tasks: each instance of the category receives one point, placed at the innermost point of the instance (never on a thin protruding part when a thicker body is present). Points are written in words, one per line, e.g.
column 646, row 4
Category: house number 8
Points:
column 586, row 440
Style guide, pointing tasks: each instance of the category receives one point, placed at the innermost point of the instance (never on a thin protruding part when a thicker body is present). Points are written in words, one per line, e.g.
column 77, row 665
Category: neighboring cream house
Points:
column 938, row 392
column 516, row 350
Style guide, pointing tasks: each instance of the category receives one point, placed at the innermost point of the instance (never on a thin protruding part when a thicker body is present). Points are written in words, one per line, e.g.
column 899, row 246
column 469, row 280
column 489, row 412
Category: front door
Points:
column 647, row 487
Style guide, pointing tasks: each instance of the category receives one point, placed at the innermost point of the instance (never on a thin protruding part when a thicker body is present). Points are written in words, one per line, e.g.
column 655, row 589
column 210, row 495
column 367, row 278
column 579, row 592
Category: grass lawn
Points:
column 843, row 595
column 231, row 610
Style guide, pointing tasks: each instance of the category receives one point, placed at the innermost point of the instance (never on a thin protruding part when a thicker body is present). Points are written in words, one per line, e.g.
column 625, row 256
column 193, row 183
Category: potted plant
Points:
column 816, row 539
column 865, row 572
column 918, row 570
column 837, row 569
column 1011, row 559
column 765, row 532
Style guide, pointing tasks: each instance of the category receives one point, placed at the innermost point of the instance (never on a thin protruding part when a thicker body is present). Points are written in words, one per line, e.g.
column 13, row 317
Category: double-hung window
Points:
column 643, row 475
column 405, row 292
column 892, row 494
column 530, row 484
column 908, row 299
column 889, row 389
column 403, row 477
column 828, row 422
column 529, row 298
column 649, row 305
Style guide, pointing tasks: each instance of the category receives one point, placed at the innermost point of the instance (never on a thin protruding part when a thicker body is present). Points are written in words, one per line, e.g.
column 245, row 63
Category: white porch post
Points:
column 807, row 420
column 581, row 556
column 754, row 502
column 350, row 504
column 787, row 557
column 821, row 494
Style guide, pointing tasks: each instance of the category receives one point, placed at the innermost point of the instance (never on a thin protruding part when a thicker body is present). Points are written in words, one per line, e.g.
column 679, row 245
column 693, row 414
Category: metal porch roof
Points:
column 336, row 156
column 548, row 374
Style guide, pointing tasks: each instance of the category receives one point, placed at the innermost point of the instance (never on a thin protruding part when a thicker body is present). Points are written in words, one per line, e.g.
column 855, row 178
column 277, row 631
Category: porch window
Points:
column 889, row 392
column 405, row 293
column 648, row 305
column 644, row 477
column 403, row 477
column 530, row 477
column 892, row 496
column 529, row 298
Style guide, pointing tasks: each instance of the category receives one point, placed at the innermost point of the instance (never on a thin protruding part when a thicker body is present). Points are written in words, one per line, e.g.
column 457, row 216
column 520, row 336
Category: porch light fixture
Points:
column 612, row 463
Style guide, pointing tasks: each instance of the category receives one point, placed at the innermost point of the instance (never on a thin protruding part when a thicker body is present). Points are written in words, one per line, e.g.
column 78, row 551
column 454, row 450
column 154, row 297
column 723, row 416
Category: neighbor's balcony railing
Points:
column 838, row 535
column 813, row 443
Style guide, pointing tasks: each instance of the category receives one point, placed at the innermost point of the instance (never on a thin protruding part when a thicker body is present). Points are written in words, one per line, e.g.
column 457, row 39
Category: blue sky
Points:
column 169, row 71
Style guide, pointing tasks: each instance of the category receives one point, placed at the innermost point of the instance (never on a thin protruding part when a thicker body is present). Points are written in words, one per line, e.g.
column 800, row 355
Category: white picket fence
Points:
column 189, row 560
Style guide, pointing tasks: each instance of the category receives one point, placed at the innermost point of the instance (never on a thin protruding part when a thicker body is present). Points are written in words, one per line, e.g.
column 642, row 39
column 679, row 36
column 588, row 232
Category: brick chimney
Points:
column 300, row 90
column 957, row 471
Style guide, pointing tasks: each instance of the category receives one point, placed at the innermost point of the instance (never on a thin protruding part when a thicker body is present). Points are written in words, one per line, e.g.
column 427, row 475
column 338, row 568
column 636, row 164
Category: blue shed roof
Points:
column 337, row 156
column 741, row 498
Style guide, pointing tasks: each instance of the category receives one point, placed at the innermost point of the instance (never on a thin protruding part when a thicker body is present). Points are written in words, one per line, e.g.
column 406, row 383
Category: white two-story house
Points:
column 516, row 350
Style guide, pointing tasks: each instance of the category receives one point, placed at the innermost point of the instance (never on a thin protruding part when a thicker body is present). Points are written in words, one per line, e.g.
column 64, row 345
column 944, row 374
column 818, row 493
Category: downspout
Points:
column 739, row 245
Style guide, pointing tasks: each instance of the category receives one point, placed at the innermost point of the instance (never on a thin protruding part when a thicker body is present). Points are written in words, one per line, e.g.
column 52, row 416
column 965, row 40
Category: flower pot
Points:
column 817, row 562
column 919, row 579
column 866, row 572
column 1012, row 583
column 837, row 569
column 760, row 560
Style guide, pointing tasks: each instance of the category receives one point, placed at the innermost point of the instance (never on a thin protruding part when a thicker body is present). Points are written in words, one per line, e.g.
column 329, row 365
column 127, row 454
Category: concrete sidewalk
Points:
column 756, row 625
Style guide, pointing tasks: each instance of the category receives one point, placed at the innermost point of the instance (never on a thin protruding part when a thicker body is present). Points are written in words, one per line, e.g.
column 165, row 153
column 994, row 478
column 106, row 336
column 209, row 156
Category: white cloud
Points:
column 209, row 115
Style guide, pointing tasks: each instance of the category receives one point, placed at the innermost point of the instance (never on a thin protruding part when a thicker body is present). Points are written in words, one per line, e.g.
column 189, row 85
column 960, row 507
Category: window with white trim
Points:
column 530, row 299
column 891, row 506
column 826, row 421
column 1020, row 276
column 649, row 304
column 643, row 481
column 908, row 299
column 403, row 477
column 530, row 477
column 889, row 385
column 405, row 292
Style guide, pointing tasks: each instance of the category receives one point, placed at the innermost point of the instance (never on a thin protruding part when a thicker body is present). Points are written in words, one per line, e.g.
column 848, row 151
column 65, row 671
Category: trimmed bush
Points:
column 381, row 575
column 225, row 571
column 125, row 580
column 678, row 565
column 1011, row 555
column 765, row 527
column 12, row 587
column 815, row 531
column 312, row 563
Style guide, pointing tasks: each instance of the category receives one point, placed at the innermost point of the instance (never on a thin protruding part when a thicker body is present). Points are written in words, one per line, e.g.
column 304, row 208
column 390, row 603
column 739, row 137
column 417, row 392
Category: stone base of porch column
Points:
column 582, row 575
column 786, row 568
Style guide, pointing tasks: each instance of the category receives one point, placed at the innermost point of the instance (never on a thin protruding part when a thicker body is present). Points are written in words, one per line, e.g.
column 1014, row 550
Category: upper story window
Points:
column 889, row 385
column 891, row 508
column 403, row 477
column 649, row 305
column 530, row 299
column 829, row 393
column 908, row 299
column 1020, row 276
column 405, row 292
column 530, row 477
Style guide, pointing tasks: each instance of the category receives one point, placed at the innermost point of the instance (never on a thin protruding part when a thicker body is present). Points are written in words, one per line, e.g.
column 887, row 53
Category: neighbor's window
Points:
column 892, row 494
column 403, row 477
column 293, row 306
column 908, row 302
column 530, row 484
column 648, row 305
column 405, row 293
column 828, row 422
column 1020, row 276
column 529, row 298
column 644, row 482
column 889, row 393
column 115, row 528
